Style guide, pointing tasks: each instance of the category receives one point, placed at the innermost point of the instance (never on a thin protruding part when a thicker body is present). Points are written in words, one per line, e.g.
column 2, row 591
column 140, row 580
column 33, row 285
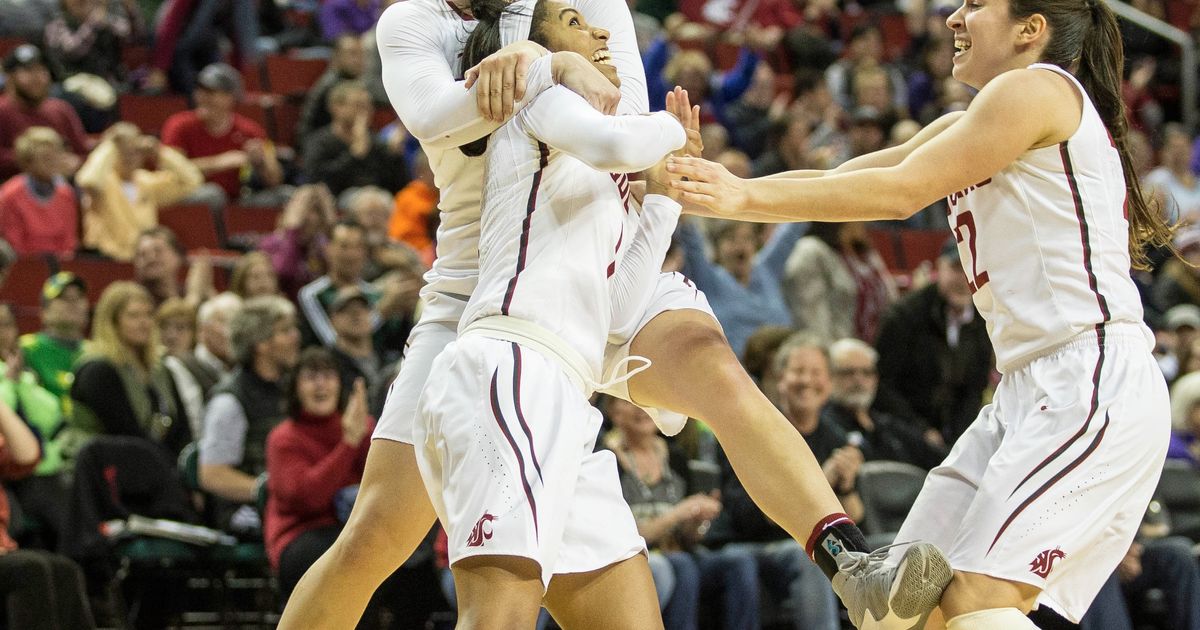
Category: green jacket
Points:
column 41, row 410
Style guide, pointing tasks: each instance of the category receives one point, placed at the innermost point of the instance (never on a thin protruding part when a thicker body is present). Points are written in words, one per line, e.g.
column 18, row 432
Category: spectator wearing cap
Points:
column 345, row 154
column 231, row 150
column 246, row 406
column 52, row 352
column 350, row 314
column 346, row 259
column 39, row 211
column 940, row 390
column 1176, row 340
column 124, row 194
column 1179, row 280
column 27, row 103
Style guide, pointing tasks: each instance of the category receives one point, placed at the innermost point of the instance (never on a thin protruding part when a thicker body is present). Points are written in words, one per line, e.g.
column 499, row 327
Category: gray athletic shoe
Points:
column 881, row 596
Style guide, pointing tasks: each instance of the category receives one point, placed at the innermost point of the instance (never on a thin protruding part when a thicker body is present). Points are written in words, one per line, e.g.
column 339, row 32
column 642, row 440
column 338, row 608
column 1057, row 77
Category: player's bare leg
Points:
column 497, row 592
column 617, row 597
column 974, row 601
column 391, row 516
column 695, row 372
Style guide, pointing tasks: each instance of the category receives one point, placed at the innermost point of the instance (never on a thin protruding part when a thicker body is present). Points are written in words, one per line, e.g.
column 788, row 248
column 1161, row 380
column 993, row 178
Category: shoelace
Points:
column 852, row 562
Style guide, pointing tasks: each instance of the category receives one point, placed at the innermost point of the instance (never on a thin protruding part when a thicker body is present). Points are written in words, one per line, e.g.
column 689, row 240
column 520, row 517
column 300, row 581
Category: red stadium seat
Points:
column 149, row 112
column 922, row 245
column 194, row 224
column 245, row 225
column 7, row 44
column 293, row 77
column 896, row 38
column 97, row 273
column 25, row 280
column 887, row 242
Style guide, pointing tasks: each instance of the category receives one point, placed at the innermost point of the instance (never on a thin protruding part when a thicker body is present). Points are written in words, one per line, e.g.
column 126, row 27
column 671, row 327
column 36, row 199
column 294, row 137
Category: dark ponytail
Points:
column 1086, row 40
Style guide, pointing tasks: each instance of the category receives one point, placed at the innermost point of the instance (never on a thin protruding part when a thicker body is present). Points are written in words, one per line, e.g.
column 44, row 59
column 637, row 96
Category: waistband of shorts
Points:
column 529, row 334
column 1114, row 332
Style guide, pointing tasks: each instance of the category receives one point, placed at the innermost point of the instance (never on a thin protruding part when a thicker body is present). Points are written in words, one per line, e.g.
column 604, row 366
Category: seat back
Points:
column 888, row 491
column 1179, row 491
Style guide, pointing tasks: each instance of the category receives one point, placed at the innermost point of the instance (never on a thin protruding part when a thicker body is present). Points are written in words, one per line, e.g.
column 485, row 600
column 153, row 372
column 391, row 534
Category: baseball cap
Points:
column 22, row 56
column 345, row 296
column 220, row 77
column 1182, row 315
column 57, row 283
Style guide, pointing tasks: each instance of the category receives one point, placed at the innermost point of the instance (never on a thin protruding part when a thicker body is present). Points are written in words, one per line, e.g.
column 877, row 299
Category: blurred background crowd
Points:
column 214, row 232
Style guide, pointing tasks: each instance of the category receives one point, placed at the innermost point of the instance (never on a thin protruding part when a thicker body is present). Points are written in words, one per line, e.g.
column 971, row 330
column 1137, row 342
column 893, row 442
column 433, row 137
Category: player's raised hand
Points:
column 681, row 107
column 572, row 71
column 500, row 78
column 707, row 184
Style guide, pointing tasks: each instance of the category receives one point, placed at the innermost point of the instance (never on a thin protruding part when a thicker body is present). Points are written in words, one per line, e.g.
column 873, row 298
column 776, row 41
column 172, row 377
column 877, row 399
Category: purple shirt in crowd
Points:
column 338, row 17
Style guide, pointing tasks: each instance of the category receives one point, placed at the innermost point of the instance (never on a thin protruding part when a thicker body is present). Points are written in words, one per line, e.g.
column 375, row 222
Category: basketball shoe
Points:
column 883, row 596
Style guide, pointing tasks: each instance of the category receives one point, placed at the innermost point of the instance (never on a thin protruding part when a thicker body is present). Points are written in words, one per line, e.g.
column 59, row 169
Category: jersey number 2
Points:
column 965, row 222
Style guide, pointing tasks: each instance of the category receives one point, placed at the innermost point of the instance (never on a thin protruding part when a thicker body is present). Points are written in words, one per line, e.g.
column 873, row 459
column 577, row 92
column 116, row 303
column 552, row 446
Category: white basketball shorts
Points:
column 673, row 291
column 1049, row 485
column 505, row 444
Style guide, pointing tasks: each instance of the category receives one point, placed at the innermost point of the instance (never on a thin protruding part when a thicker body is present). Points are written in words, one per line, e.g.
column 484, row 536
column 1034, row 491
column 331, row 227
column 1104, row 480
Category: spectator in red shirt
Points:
column 27, row 103
column 311, row 458
column 231, row 150
column 39, row 212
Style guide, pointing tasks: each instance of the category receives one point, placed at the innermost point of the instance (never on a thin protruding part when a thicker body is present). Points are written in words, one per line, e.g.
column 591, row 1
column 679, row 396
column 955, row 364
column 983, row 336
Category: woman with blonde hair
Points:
column 120, row 385
column 253, row 276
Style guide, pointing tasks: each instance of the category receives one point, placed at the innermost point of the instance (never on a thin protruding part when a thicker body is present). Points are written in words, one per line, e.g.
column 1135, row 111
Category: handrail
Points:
column 1186, row 45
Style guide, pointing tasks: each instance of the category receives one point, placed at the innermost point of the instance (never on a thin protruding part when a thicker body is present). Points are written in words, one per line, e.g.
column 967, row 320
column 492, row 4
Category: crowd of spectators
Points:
column 269, row 361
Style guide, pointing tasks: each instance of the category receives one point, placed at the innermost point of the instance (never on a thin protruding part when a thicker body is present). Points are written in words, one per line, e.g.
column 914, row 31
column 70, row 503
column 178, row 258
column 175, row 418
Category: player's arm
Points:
column 994, row 132
column 615, row 144
column 636, row 276
column 890, row 156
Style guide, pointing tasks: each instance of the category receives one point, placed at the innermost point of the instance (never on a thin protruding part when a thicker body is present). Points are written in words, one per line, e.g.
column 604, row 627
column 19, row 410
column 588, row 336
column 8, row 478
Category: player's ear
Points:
column 1033, row 29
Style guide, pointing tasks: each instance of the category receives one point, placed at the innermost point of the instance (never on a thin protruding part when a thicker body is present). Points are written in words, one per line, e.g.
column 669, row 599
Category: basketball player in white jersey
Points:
column 694, row 372
column 1041, row 497
column 505, row 435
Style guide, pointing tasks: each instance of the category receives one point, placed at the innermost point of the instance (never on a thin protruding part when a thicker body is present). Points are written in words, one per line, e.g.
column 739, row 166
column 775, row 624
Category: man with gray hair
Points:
column 881, row 436
column 247, row 405
column 196, row 373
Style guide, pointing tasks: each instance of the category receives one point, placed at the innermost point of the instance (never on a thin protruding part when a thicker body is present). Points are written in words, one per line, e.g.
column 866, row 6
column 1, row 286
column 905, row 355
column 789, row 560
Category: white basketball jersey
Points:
column 554, row 218
column 1045, row 242
column 420, row 43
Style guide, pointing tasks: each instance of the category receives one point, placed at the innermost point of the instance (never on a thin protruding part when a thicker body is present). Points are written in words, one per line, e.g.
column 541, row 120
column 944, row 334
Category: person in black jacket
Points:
column 346, row 154
column 940, row 387
column 881, row 435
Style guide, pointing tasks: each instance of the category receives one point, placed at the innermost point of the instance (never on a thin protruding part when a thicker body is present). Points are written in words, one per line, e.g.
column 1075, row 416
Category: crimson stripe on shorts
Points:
column 521, row 414
column 1091, row 414
column 531, row 205
column 499, row 416
column 1053, row 480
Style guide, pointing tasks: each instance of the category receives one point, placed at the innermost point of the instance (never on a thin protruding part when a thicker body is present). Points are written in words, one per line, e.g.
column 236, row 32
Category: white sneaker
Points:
column 881, row 596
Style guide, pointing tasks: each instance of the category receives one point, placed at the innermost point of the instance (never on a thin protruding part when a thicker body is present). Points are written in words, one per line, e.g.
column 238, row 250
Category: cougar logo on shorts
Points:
column 482, row 531
column 1044, row 562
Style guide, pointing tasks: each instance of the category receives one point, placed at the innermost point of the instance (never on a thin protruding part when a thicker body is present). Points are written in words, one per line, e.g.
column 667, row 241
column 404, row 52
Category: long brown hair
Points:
column 1085, row 40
